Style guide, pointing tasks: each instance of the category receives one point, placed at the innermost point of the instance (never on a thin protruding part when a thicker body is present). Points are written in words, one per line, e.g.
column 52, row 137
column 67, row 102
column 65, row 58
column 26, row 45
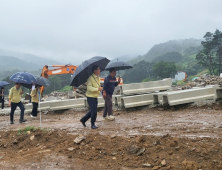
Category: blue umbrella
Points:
column 23, row 77
column 3, row 83
column 40, row 81
column 84, row 70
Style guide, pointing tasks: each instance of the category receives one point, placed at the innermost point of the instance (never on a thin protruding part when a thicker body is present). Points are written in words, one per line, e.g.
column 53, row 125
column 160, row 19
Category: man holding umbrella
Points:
column 93, row 90
column 16, row 93
column 108, row 88
column 89, row 72
column 14, row 101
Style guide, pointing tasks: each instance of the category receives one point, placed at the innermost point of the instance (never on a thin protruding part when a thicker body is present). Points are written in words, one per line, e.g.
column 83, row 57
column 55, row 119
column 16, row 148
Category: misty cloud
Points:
column 77, row 30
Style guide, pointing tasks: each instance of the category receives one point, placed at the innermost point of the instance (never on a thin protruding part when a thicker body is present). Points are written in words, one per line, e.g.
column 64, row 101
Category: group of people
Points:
column 15, row 101
column 93, row 90
column 92, row 94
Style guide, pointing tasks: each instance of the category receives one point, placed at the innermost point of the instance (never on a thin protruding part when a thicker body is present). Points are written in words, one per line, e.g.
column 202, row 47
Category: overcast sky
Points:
column 75, row 30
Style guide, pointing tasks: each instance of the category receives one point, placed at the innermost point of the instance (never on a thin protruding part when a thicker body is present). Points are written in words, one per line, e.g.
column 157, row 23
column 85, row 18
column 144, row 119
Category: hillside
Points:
column 10, row 63
column 29, row 57
column 170, row 46
column 186, row 62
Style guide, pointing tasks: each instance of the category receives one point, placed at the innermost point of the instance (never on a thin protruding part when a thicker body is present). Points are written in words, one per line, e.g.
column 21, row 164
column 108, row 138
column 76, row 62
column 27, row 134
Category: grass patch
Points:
column 179, row 83
column 29, row 128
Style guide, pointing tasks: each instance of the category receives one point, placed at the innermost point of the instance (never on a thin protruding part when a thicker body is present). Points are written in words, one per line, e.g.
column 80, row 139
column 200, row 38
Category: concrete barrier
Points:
column 117, row 100
column 189, row 96
column 28, row 108
column 67, row 104
column 145, row 87
column 138, row 100
column 44, row 106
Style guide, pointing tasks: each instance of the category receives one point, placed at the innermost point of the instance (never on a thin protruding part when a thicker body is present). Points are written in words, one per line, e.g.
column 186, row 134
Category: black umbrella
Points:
column 84, row 70
column 40, row 81
column 118, row 65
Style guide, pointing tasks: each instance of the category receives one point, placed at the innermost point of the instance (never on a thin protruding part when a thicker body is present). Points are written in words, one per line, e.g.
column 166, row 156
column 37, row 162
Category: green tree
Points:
column 55, row 84
column 217, row 42
column 165, row 69
column 206, row 56
column 139, row 72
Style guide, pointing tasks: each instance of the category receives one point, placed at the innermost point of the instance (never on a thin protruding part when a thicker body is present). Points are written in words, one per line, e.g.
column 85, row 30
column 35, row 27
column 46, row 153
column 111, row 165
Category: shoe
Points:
column 111, row 117
column 94, row 127
column 32, row 116
column 83, row 123
column 11, row 122
column 105, row 117
column 21, row 121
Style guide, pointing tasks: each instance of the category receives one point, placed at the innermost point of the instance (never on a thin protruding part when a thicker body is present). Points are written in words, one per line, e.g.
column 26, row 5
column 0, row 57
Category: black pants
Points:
column 34, row 109
column 2, row 101
column 93, row 102
column 13, row 107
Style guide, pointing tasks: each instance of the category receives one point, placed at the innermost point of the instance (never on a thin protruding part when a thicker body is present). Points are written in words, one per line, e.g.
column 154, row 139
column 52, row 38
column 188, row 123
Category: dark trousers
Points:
column 2, row 101
column 13, row 107
column 93, row 102
column 34, row 109
column 108, row 108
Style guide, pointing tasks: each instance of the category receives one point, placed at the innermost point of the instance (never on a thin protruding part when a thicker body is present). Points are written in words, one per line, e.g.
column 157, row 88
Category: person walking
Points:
column 14, row 101
column 35, row 100
column 2, row 99
column 109, row 85
column 92, row 94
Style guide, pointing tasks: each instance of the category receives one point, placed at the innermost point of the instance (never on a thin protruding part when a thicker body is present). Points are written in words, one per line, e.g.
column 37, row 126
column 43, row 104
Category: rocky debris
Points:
column 189, row 165
column 32, row 137
column 147, row 165
column 112, row 136
column 174, row 142
column 133, row 149
column 81, row 91
column 136, row 150
column 141, row 151
column 163, row 162
column 70, row 149
column 79, row 139
column 15, row 141
column 51, row 98
column 156, row 167
column 206, row 79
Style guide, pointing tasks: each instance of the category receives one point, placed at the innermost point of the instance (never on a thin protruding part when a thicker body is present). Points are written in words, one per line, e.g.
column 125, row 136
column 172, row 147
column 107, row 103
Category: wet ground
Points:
column 189, row 124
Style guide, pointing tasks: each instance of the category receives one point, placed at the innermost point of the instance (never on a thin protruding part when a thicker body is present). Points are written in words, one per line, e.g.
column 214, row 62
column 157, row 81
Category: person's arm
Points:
column 90, row 87
column 22, row 91
column 33, row 93
column 104, row 87
column 118, row 81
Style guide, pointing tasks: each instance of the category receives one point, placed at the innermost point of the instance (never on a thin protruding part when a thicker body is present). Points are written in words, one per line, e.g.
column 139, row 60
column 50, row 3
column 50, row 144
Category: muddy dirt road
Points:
column 188, row 138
